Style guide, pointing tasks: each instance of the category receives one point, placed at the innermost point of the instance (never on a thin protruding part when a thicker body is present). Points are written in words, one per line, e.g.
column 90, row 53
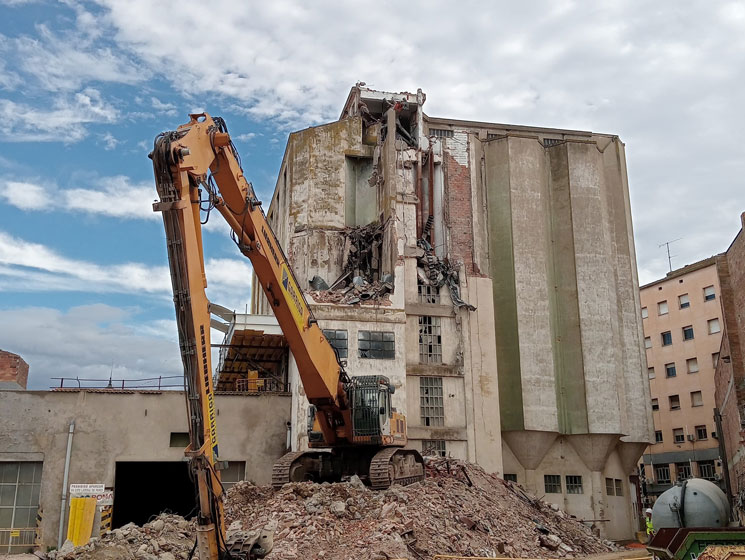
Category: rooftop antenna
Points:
column 111, row 375
column 669, row 256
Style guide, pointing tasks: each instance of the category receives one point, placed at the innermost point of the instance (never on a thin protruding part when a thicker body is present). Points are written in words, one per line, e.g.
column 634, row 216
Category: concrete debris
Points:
column 434, row 272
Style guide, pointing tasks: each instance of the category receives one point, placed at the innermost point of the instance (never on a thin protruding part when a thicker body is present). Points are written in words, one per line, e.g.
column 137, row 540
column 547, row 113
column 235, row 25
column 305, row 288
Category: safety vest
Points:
column 650, row 530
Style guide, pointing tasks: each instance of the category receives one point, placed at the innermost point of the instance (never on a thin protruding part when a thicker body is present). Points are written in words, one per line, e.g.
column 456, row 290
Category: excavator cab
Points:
column 370, row 396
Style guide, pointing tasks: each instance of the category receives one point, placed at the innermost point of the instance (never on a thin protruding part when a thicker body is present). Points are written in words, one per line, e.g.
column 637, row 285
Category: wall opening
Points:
column 143, row 489
column 361, row 199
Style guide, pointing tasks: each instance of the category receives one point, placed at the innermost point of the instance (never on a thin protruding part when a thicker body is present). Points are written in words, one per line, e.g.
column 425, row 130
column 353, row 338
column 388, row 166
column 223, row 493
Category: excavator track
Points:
column 394, row 465
column 281, row 469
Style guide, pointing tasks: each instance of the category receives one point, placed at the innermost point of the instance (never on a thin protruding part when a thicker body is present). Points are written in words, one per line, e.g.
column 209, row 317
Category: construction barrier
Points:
column 106, row 514
column 80, row 523
column 16, row 541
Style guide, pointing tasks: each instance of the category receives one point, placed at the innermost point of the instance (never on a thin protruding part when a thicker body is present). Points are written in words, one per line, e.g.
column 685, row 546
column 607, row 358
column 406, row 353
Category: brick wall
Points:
column 13, row 369
column 459, row 213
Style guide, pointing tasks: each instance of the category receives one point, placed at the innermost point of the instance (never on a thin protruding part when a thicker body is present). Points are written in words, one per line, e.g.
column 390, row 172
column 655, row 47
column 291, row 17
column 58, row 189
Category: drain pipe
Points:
column 63, row 504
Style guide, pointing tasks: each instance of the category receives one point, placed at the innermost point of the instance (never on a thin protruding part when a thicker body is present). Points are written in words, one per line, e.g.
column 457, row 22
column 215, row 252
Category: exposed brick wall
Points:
column 459, row 213
column 13, row 368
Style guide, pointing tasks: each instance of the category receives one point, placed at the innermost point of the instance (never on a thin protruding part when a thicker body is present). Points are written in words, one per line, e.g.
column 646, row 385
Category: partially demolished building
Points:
column 489, row 271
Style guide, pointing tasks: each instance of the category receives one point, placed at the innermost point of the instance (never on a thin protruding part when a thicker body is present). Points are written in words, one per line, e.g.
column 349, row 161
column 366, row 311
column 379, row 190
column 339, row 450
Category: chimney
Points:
column 13, row 372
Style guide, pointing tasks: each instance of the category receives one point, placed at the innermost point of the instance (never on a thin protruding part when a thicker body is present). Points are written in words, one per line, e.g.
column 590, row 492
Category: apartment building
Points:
column 682, row 319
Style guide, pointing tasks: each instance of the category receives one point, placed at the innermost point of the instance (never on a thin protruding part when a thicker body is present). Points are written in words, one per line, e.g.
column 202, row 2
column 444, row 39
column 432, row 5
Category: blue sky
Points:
column 86, row 86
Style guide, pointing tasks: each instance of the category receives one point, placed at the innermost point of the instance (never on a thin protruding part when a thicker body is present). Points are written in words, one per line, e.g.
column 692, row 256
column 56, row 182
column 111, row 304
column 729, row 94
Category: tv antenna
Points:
column 669, row 256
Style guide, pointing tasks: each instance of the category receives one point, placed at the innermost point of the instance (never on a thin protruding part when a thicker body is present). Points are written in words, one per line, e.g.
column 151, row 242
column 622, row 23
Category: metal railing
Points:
column 151, row 383
column 261, row 385
column 15, row 541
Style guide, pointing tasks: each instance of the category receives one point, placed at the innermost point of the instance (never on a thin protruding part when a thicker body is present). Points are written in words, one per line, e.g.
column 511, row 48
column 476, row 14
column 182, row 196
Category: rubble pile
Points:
column 167, row 537
column 458, row 509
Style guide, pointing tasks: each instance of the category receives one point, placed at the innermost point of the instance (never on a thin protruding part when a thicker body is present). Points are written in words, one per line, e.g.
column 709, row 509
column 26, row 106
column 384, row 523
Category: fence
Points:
column 15, row 541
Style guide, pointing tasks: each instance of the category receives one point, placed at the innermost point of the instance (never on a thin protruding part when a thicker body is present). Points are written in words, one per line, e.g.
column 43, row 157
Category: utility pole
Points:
column 669, row 256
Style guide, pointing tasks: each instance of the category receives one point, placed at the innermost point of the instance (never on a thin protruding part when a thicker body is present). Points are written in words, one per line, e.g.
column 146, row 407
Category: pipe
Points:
column 63, row 504
column 419, row 194
column 431, row 188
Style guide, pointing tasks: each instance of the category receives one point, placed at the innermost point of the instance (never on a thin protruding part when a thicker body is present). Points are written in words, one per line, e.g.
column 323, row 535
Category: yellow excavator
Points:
column 353, row 429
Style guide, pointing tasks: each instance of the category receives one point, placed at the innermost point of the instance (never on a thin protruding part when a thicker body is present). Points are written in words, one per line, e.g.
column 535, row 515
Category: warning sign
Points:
column 77, row 489
column 103, row 496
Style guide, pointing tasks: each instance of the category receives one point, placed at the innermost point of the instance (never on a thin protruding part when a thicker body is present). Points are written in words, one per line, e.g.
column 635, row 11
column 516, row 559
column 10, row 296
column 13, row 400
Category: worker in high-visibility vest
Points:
column 648, row 521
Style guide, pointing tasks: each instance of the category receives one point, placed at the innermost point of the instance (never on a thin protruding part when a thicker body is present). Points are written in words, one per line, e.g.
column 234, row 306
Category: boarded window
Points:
column 552, row 483
column 235, row 472
column 574, row 484
column 647, row 342
column 430, row 340
column 431, row 405
column 376, row 345
column 339, row 339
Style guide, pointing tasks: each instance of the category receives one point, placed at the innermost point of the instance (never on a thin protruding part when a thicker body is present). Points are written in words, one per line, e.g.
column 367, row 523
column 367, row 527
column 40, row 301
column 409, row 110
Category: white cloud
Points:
column 166, row 108
column 247, row 137
column 26, row 196
column 109, row 141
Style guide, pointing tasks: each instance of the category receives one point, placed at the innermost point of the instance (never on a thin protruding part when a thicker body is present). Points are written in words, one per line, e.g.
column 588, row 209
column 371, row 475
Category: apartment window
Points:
column 179, row 439
column 430, row 340
column 552, row 483
column 647, row 342
column 662, row 474
column 678, row 435
column 441, row 132
column 683, row 470
column 706, row 470
column 688, row 333
column 670, row 370
column 696, row 398
column 339, row 339
column 619, row 486
column 709, row 293
column 674, row 402
column 662, row 308
column 701, row 432
column 667, row 338
column 713, row 326
column 20, row 483
column 683, row 301
column 510, row 477
column 650, row 372
column 692, row 365
column 377, row 345
column 715, row 359
column 434, row 447
column 431, row 405
column 231, row 476
column 645, row 313
column 574, row 484
column 658, row 436
column 428, row 294
column 655, row 404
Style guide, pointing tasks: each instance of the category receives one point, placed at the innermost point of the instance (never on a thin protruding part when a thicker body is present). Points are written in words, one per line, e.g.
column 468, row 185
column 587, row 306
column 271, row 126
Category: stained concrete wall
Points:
column 115, row 426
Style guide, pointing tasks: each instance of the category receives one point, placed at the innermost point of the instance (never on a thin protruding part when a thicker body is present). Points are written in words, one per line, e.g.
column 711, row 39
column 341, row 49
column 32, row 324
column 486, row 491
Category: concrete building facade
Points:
column 545, row 380
column 682, row 320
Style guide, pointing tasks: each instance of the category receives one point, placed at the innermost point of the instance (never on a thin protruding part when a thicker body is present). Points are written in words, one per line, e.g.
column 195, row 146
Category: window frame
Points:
column 709, row 296
column 430, row 339
column 684, row 303
column 663, row 305
column 659, row 439
column 702, row 429
column 670, row 402
column 714, row 321
column 386, row 343
column 679, row 437
column 432, row 401
column 686, row 330
column 667, row 338
column 333, row 335
column 693, row 399
column 671, row 370
column 647, row 342
column 645, row 313
column 655, row 404
column 693, row 361
column 662, row 468
column 552, row 484
column 574, row 484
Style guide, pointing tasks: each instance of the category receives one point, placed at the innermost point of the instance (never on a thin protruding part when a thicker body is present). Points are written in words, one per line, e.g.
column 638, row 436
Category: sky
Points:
column 86, row 86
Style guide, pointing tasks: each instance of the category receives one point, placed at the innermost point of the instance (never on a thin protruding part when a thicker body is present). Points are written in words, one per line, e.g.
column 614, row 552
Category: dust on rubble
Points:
column 459, row 509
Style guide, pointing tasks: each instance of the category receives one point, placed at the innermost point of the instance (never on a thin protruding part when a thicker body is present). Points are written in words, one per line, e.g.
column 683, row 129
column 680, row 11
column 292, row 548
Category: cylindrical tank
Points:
column 692, row 503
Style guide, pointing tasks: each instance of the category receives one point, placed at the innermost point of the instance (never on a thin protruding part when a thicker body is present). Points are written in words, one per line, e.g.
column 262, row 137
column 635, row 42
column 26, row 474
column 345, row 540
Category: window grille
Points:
column 706, row 470
column 431, row 403
column 441, row 132
column 339, row 339
column 376, row 345
column 552, row 483
column 492, row 136
column 434, row 447
column 428, row 294
column 20, row 485
column 662, row 474
column 683, row 470
column 574, row 484
column 430, row 340
column 619, row 486
column 548, row 142
column 610, row 487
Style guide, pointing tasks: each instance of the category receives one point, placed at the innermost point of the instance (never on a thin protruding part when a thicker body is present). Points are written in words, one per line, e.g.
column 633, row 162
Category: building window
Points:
column 431, row 405
column 688, row 333
column 709, row 293
column 650, row 372
column 701, row 432
column 696, row 398
column 662, row 308
column 683, row 470
column 434, row 447
column 706, row 470
column 667, row 338
column 713, row 326
column 647, row 342
column 339, row 339
column 692, row 365
column 552, row 483
column 645, row 313
column 430, row 340
column 510, row 477
column 674, row 402
column 678, row 435
column 574, row 484
column 658, row 436
column 179, row 439
column 441, row 132
column 235, row 472
column 683, row 301
column 428, row 294
column 662, row 474
column 715, row 359
column 619, row 486
column 376, row 345
column 20, row 484
column 655, row 404
column 670, row 370
column 610, row 487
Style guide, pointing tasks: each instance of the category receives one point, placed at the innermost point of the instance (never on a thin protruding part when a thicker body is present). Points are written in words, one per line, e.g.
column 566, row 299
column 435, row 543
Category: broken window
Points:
column 434, row 447
column 431, row 404
column 574, row 484
column 428, row 294
column 510, row 477
column 430, row 340
column 360, row 198
column 377, row 345
column 235, row 472
column 179, row 439
column 441, row 132
column 552, row 483
column 339, row 339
